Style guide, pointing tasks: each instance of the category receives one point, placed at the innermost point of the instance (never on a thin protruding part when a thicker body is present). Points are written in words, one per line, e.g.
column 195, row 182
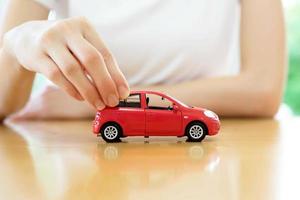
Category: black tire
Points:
column 111, row 132
column 196, row 132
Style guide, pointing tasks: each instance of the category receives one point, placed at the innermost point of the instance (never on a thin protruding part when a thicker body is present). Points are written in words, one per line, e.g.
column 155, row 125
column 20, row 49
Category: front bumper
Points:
column 215, row 128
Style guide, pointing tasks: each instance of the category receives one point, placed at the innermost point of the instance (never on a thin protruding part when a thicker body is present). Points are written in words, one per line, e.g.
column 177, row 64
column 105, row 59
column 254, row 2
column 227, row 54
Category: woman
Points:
column 226, row 56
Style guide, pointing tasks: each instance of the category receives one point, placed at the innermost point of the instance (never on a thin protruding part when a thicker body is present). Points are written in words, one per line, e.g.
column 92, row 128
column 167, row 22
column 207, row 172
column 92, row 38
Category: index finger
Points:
column 112, row 66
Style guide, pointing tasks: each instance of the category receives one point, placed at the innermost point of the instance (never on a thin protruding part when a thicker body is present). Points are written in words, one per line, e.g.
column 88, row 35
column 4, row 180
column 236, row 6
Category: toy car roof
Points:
column 147, row 91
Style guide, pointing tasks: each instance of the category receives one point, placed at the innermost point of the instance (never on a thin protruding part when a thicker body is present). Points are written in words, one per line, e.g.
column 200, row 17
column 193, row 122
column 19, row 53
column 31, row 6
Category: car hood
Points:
column 198, row 109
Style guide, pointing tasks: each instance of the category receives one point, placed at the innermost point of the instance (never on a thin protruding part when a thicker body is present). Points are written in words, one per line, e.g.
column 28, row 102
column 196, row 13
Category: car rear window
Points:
column 133, row 101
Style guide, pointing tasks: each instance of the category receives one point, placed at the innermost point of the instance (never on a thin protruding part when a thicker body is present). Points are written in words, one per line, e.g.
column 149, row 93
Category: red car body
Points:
column 144, row 121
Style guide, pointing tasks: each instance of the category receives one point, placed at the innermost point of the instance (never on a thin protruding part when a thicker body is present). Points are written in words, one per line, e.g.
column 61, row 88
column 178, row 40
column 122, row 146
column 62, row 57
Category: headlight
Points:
column 210, row 114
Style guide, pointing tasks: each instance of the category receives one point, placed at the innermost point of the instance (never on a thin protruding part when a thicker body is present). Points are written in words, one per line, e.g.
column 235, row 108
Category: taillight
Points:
column 97, row 117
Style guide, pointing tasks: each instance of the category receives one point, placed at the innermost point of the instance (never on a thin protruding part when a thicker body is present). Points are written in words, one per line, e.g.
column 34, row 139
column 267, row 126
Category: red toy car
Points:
column 148, row 113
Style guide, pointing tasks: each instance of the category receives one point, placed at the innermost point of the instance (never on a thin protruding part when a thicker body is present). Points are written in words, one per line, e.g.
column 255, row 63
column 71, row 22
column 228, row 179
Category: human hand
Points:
column 71, row 54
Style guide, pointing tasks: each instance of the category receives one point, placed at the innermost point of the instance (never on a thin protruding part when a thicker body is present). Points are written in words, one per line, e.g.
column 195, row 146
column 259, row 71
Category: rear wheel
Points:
column 111, row 132
column 196, row 132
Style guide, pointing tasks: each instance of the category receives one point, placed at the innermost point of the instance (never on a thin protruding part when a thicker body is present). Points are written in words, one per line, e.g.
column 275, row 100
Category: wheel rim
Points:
column 196, row 131
column 111, row 132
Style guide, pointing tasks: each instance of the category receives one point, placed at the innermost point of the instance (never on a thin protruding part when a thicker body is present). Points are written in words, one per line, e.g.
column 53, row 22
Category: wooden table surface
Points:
column 249, row 159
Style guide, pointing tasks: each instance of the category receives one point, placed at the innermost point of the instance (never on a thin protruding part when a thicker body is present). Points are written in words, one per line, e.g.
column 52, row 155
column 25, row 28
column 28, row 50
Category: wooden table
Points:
column 249, row 159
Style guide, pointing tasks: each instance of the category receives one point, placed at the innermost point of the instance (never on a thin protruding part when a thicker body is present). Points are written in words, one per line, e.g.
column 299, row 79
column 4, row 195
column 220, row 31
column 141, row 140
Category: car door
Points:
column 132, row 116
column 161, row 118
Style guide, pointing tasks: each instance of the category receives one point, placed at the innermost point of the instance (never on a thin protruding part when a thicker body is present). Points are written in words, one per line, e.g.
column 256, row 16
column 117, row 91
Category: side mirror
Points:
column 175, row 107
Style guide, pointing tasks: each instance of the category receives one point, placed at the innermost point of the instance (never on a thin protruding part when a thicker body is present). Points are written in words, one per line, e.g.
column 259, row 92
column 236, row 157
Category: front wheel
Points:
column 111, row 132
column 196, row 132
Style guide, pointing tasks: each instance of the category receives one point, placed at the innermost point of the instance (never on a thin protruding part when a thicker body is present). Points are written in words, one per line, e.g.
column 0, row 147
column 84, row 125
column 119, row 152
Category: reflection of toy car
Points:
column 148, row 166
column 139, row 157
column 147, row 113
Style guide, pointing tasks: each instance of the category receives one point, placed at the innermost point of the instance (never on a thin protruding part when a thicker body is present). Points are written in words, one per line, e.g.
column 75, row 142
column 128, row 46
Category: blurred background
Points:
column 292, row 91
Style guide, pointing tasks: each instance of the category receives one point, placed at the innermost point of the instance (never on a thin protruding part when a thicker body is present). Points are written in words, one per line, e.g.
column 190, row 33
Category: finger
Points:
column 53, row 73
column 117, row 76
column 95, row 66
column 93, row 38
column 75, row 74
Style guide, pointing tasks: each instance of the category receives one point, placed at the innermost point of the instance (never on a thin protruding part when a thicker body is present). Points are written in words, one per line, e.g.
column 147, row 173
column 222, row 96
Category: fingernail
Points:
column 123, row 92
column 112, row 100
column 99, row 105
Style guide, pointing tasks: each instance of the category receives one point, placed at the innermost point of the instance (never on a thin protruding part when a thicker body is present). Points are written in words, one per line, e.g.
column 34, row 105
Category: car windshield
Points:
column 179, row 102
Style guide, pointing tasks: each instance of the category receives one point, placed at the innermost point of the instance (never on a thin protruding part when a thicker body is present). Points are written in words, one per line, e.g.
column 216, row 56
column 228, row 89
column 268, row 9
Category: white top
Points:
column 163, row 41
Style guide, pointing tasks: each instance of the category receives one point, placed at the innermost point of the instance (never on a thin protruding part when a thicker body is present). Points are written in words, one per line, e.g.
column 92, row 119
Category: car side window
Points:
column 133, row 101
column 158, row 102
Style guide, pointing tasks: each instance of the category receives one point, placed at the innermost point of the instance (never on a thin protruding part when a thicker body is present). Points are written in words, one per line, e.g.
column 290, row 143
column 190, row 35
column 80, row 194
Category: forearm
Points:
column 258, row 89
column 242, row 95
column 15, row 84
